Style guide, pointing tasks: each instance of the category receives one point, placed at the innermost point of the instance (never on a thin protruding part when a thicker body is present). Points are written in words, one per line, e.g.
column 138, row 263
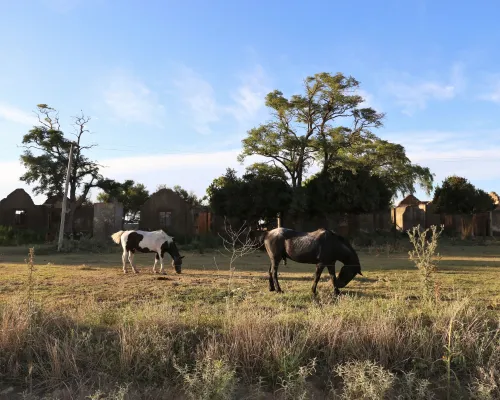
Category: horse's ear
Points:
column 359, row 272
column 183, row 256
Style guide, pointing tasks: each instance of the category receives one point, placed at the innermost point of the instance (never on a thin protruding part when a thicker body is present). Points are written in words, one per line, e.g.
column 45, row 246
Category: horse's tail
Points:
column 117, row 236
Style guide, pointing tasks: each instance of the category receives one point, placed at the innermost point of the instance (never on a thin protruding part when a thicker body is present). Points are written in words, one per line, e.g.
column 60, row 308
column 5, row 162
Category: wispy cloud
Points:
column 415, row 94
column 493, row 92
column 473, row 164
column 130, row 100
column 16, row 115
column 250, row 95
column 199, row 97
column 448, row 153
column 10, row 181
column 202, row 106
column 369, row 100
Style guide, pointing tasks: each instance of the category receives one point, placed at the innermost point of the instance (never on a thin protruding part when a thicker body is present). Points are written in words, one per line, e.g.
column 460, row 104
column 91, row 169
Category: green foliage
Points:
column 261, row 193
column 222, row 194
column 264, row 170
column 10, row 236
column 329, row 125
column 389, row 161
column 189, row 197
column 457, row 195
column 85, row 245
column 342, row 190
column 132, row 195
column 201, row 243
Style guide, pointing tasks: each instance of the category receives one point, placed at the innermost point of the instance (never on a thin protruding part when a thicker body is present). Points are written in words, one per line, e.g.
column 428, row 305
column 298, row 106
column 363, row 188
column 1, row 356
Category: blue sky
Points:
column 172, row 87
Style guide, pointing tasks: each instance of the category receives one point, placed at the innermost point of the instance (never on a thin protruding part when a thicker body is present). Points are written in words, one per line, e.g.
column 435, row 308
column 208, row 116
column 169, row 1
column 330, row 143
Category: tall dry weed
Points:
column 424, row 255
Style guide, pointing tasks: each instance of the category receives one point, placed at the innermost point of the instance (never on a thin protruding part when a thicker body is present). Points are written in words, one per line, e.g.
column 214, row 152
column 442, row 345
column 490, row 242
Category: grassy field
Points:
column 202, row 335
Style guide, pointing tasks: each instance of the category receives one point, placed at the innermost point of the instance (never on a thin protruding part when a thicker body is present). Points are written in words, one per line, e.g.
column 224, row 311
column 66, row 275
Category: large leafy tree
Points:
column 456, row 195
column 342, row 190
column 46, row 154
column 223, row 195
column 132, row 195
column 329, row 125
column 260, row 194
column 267, row 191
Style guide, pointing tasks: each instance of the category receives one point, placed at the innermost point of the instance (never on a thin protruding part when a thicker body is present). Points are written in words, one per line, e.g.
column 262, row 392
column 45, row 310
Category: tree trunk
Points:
column 300, row 170
column 71, row 218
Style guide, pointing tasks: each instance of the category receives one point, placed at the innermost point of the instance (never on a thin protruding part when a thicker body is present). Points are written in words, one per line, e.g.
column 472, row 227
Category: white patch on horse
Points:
column 153, row 240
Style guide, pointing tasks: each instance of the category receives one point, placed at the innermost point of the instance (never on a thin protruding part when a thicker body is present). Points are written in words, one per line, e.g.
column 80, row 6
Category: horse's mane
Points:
column 343, row 240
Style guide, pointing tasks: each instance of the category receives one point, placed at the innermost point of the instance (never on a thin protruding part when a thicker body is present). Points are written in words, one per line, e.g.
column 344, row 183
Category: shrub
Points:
column 10, row 236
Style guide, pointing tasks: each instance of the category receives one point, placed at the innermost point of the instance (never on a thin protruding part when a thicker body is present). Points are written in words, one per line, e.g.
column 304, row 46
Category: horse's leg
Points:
column 271, row 283
column 124, row 261
column 161, row 263
column 154, row 265
column 130, row 258
column 274, row 270
column 319, row 270
column 331, row 271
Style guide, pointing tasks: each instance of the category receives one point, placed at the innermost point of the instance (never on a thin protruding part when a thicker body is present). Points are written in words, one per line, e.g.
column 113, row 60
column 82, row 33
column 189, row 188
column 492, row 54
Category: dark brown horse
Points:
column 321, row 247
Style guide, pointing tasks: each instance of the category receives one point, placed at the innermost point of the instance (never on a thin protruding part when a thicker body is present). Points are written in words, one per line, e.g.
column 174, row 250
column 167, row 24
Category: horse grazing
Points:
column 321, row 247
column 148, row 242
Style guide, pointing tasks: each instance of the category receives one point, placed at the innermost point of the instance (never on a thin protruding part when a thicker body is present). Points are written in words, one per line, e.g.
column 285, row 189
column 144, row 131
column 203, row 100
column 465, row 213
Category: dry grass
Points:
column 137, row 336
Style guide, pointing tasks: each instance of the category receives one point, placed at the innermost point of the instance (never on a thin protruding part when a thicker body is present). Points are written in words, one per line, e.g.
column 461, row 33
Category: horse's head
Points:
column 347, row 274
column 176, row 257
column 351, row 267
column 177, row 264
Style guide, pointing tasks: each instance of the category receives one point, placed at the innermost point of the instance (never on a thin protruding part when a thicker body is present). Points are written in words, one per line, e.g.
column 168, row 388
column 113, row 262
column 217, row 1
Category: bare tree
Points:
column 45, row 157
column 237, row 243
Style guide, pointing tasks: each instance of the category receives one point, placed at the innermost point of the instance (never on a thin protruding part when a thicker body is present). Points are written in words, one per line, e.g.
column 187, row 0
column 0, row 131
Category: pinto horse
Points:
column 321, row 247
column 148, row 242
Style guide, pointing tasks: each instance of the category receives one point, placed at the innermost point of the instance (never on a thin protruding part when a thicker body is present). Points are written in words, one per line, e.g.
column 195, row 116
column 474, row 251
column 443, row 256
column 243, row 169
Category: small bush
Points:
column 424, row 255
column 86, row 244
column 10, row 236
column 202, row 243
column 294, row 386
column 410, row 387
column 486, row 384
column 210, row 379
column 365, row 380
